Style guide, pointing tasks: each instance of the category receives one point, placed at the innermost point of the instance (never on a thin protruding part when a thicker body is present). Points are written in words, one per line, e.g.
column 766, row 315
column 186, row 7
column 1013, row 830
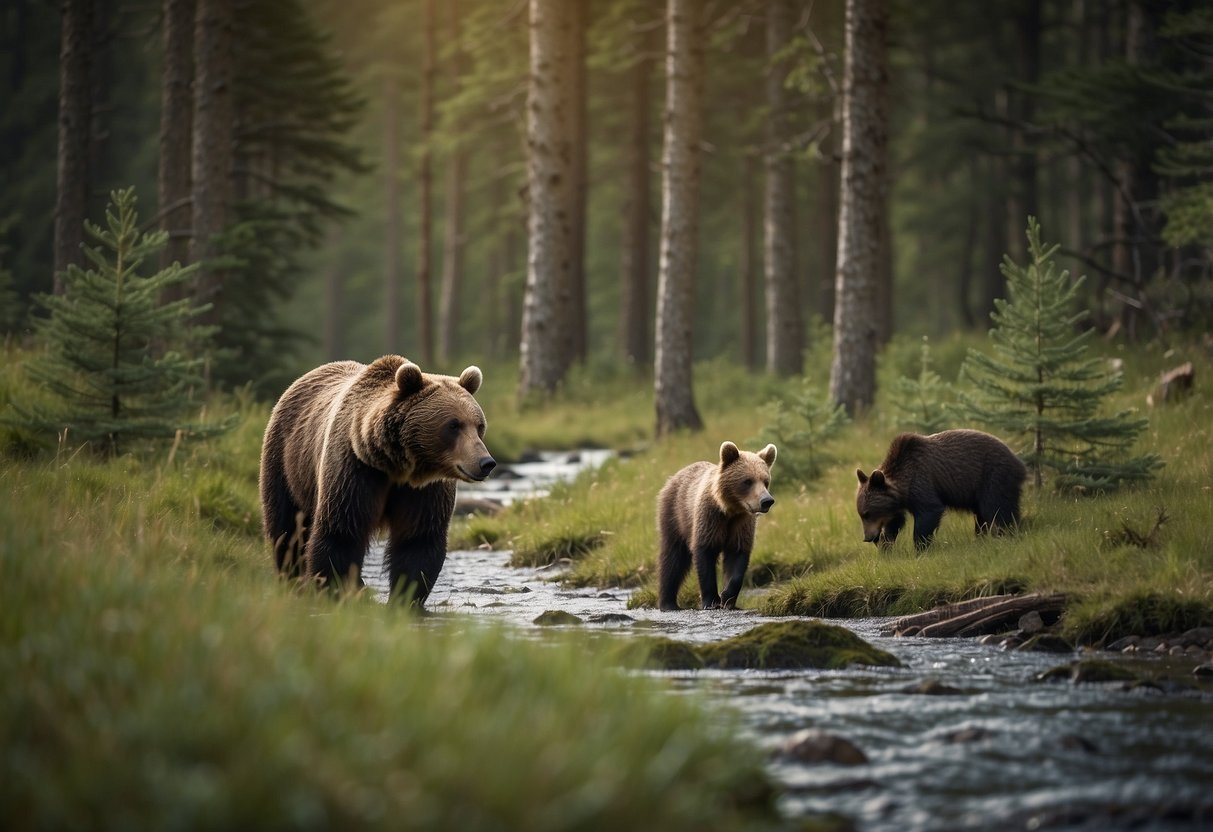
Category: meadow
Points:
column 158, row 673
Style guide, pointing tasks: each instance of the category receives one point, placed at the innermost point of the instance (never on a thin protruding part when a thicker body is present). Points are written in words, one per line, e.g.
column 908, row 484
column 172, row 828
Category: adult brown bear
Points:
column 351, row 448
column 924, row 475
column 707, row 510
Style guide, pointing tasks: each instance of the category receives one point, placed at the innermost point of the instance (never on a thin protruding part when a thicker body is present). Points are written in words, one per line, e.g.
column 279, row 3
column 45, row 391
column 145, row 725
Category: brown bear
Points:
column 705, row 510
column 964, row 469
column 352, row 448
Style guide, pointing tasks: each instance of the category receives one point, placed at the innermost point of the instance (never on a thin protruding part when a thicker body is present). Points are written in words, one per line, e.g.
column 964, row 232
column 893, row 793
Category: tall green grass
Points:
column 157, row 674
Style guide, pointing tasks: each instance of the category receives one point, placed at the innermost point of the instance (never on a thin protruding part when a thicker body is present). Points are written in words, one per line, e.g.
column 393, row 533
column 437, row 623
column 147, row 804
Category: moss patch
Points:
column 782, row 645
column 551, row 618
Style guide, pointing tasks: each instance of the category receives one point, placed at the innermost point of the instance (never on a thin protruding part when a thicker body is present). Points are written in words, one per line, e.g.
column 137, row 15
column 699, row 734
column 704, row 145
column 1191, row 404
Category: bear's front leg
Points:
column 418, row 519
column 348, row 507
column 926, row 521
column 735, row 565
column 705, row 568
column 890, row 530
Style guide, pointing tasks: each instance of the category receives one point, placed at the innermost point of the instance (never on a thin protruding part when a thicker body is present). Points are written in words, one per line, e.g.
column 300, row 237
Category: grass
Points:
column 158, row 675
column 810, row 559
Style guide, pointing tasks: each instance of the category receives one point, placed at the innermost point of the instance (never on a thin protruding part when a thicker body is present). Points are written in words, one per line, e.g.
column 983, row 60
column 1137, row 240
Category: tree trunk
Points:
column 634, row 312
column 578, row 321
column 425, row 177
column 333, row 292
column 679, row 218
column 176, row 120
column 785, row 328
column 391, row 219
column 863, row 203
column 452, row 227
column 550, row 126
column 75, row 117
column 212, row 152
column 749, row 264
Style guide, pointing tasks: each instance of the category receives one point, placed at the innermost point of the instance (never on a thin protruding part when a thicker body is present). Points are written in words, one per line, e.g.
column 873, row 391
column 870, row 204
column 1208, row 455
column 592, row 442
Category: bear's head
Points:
column 743, row 478
column 436, row 426
column 878, row 504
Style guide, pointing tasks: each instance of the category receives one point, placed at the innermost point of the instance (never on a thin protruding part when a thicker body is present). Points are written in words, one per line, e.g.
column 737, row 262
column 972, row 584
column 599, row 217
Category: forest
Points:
column 636, row 242
column 361, row 185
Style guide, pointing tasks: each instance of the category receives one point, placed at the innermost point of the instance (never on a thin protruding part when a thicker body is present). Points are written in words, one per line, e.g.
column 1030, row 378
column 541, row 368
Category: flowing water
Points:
column 1006, row 752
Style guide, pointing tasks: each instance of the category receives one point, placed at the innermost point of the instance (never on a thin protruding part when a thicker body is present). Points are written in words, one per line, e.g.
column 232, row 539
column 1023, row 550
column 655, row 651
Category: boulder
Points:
column 815, row 746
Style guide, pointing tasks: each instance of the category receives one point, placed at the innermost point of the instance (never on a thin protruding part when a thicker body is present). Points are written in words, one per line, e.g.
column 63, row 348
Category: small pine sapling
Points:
column 117, row 363
column 924, row 404
column 1039, row 387
column 802, row 424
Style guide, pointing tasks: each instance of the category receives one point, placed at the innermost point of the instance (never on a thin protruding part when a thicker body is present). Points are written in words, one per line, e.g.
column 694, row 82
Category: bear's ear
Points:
column 767, row 455
column 409, row 378
column 862, row 476
column 878, row 478
column 728, row 454
column 471, row 379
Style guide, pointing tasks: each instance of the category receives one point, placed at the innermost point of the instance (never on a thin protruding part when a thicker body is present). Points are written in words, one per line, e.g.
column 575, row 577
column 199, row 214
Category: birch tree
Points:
column 861, row 239
column 675, row 397
column 550, row 127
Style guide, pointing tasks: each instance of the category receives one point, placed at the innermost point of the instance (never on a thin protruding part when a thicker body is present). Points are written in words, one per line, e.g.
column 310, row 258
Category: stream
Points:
column 1007, row 752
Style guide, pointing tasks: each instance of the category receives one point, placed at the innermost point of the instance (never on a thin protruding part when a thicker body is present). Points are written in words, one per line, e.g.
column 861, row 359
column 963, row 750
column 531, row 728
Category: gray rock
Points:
column 816, row 746
column 1031, row 623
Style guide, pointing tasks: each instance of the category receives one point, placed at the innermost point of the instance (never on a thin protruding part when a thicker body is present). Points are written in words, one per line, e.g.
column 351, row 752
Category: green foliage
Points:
column 120, row 364
column 923, row 403
column 802, row 424
column 1040, row 388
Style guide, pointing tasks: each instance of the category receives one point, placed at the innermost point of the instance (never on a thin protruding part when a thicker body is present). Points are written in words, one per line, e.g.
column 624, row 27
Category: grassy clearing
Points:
column 158, row 675
column 810, row 558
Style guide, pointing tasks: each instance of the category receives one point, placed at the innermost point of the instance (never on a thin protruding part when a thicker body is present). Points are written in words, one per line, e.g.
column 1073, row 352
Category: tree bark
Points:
column 550, row 127
column 452, row 228
column 634, row 312
column 176, row 121
column 861, row 240
column 212, row 152
column 675, row 398
column 578, row 318
column 785, row 327
column 749, row 264
column 425, row 177
column 391, row 218
column 75, row 117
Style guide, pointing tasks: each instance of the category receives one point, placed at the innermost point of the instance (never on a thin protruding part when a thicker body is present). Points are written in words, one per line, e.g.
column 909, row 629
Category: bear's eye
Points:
column 748, row 484
column 766, row 483
column 480, row 430
column 453, row 426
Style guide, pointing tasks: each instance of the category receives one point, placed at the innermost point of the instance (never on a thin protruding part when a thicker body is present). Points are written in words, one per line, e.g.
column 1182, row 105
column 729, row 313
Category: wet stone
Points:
column 1093, row 671
column 1031, row 623
column 1120, row 644
column 610, row 618
column 549, row 618
column 933, row 687
column 1073, row 742
column 966, row 735
column 1047, row 643
column 815, row 746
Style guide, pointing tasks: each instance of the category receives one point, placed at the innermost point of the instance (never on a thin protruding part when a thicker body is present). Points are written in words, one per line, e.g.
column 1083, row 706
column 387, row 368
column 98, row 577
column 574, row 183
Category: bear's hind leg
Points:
column 673, row 563
column 284, row 524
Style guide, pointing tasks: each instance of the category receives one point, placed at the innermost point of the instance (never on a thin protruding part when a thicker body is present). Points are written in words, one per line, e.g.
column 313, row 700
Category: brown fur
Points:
column 707, row 510
column 353, row 448
column 964, row 469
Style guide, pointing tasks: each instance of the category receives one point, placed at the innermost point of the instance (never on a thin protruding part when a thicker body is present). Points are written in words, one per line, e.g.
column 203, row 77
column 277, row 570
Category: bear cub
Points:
column 963, row 469
column 706, row 510
column 352, row 448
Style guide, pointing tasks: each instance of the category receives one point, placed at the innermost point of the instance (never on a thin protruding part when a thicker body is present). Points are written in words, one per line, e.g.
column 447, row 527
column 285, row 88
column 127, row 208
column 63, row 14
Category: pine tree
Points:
column 802, row 424
column 118, row 364
column 1040, row 386
column 924, row 402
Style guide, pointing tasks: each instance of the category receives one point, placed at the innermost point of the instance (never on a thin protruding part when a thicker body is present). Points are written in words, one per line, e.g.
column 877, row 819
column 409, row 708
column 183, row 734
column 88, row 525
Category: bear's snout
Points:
column 764, row 505
column 871, row 537
column 487, row 464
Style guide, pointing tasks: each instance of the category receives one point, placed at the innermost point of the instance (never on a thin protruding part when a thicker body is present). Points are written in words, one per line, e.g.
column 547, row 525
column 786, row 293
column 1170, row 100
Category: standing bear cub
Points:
column 964, row 469
column 705, row 510
column 352, row 448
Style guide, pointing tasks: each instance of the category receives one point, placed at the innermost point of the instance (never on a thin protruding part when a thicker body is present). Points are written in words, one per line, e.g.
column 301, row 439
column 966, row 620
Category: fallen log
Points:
column 941, row 613
column 975, row 616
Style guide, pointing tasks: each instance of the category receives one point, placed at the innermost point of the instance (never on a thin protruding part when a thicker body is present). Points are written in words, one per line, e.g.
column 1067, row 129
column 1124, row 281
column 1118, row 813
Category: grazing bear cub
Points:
column 705, row 510
column 964, row 469
column 351, row 448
